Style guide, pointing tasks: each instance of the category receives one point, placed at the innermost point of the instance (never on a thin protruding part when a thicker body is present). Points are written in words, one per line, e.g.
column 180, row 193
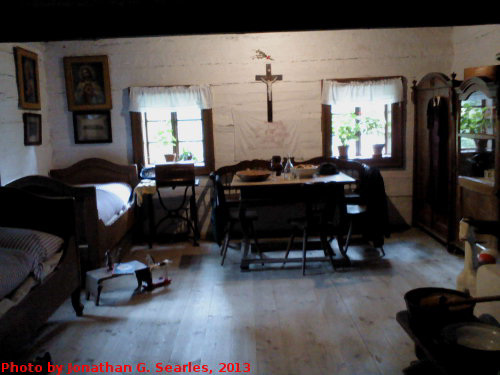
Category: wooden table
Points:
column 249, row 190
column 340, row 178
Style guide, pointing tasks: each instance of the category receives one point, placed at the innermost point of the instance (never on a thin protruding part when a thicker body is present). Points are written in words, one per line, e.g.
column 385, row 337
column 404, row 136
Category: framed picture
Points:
column 87, row 83
column 32, row 129
column 28, row 85
column 92, row 127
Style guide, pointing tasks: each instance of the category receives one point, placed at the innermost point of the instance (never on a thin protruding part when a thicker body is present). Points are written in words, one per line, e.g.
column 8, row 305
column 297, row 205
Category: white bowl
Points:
column 304, row 172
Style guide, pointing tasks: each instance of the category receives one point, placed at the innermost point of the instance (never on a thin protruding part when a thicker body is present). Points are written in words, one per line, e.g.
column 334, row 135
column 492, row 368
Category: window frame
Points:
column 138, row 124
column 398, row 143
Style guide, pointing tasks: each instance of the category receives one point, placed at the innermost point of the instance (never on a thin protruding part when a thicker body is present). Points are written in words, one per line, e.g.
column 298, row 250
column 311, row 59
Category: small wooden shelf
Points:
column 477, row 136
column 478, row 184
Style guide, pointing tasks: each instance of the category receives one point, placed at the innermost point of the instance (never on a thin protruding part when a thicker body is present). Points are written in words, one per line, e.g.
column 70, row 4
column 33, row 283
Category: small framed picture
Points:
column 92, row 127
column 28, row 85
column 87, row 83
column 32, row 129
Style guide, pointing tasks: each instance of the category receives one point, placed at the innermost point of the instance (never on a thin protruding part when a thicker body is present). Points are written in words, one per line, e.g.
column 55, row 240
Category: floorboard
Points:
column 273, row 318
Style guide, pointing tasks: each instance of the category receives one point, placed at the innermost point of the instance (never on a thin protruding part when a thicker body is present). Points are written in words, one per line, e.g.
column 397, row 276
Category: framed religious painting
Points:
column 28, row 85
column 32, row 129
column 92, row 126
column 87, row 83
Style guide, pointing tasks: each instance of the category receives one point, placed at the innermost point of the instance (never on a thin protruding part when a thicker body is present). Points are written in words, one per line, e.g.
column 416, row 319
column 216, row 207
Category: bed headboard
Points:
column 96, row 170
column 22, row 209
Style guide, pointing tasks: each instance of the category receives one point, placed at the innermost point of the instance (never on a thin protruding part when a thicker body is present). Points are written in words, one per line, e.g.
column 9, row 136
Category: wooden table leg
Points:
column 245, row 246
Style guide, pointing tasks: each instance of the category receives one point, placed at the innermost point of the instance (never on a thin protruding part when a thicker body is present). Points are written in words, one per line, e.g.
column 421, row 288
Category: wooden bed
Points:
column 20, row 209
column 91, row 231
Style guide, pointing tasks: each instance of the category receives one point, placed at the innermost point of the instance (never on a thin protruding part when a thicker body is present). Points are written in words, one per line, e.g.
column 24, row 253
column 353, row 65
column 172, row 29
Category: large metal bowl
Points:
column 477, row 342
column 304, row 172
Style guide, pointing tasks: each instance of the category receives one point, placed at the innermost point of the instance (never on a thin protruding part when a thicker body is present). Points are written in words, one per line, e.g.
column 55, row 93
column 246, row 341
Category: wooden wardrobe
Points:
column 434, row 176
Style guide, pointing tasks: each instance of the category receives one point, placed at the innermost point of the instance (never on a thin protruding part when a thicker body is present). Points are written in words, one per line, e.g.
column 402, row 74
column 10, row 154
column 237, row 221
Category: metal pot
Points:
column 426, row 314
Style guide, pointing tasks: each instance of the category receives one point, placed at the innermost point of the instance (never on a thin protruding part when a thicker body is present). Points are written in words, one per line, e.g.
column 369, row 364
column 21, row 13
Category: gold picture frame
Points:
column 28, row 84
column 88, row 86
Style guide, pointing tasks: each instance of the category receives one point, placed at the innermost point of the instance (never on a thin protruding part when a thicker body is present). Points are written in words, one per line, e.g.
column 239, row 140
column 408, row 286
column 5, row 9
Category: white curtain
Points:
column 145, row 98
column 385, row 90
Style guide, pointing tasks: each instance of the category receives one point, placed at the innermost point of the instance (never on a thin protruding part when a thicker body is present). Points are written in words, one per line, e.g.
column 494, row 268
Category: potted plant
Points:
column 474, row 120
column 187, row 155
column 348, row 129
column 167, row 138
column 370, row 125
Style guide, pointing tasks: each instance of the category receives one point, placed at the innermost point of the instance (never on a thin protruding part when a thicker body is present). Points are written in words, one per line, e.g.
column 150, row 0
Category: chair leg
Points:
column 349, row 234
column 304, row 247
column 226, row 243
column 327, row 249
column 224, row 249
column 289, row 247
column 252, row 233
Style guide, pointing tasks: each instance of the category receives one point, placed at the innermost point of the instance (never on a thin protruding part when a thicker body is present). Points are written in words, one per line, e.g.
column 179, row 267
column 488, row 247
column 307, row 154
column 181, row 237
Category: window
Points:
column 367, row 115
column 172, row 120
column 176, row 132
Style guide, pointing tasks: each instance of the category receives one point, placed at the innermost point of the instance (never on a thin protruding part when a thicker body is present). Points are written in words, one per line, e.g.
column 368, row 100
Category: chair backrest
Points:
column 178, row 174
column 227, row 172
column 324, row 203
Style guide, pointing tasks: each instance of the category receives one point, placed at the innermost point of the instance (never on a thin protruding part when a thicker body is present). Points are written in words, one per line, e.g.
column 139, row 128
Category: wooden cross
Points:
column 269, row 79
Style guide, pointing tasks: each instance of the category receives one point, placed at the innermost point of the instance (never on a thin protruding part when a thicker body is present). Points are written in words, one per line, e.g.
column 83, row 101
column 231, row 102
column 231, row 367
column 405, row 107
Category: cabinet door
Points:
column 434, row 144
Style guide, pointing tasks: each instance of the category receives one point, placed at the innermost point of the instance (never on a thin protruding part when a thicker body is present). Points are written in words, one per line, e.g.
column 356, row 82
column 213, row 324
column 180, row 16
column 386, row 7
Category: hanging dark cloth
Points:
column 437, row 124
column 372, row 192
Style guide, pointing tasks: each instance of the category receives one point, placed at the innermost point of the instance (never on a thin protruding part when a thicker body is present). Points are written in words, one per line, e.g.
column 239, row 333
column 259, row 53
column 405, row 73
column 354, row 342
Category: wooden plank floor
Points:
column 275, row 319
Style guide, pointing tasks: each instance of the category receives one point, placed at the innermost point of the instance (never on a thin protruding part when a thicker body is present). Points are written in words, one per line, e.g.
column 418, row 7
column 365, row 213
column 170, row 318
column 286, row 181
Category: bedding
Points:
column 15, row 266
column 39, row 245
column 112, row 200
column 26, row 308
column 17, row 293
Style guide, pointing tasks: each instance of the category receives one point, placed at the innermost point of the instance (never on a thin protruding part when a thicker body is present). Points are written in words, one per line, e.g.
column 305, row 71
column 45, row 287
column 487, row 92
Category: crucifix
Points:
column 269, row 79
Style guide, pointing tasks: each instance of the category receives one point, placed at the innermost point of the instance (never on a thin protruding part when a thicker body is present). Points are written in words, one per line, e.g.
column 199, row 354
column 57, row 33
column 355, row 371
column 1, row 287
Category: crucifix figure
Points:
column 269, row 79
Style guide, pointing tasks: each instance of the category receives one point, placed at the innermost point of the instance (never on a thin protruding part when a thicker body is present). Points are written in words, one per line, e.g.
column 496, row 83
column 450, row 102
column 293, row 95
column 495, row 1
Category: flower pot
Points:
column 377, row 150
column 481, row 144
column 170, row 157
column 343, row 150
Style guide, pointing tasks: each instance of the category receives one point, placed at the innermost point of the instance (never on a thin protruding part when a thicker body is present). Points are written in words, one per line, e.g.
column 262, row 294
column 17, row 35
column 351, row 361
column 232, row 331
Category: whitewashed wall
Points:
column 227, row 62
column 475, row 46
column 16, row 159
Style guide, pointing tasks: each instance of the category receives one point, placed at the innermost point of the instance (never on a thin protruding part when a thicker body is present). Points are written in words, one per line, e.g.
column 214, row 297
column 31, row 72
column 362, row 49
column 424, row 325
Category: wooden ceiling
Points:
column 52, row 20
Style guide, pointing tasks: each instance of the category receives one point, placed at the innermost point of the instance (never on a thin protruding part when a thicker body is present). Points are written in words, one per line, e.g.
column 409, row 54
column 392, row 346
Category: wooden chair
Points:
column 227, row 217
column 325, row 216
column 227, row 173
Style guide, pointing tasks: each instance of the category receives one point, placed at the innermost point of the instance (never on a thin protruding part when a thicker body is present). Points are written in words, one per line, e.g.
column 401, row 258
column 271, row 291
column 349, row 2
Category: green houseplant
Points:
column 348, row 128
column 167, row 138
column 374, row 126
column 474, row 120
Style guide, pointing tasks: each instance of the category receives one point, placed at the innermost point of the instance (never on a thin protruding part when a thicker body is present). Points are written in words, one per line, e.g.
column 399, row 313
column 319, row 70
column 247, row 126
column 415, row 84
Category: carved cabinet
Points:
column 477, row 143
column 434, row 179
